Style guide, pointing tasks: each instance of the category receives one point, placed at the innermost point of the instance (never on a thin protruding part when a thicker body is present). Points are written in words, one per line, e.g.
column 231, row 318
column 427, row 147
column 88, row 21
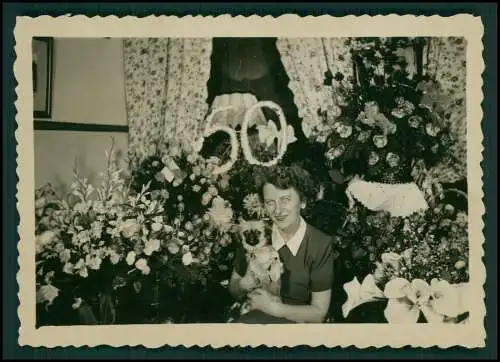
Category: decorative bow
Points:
column 268, row 133
column 438, row 301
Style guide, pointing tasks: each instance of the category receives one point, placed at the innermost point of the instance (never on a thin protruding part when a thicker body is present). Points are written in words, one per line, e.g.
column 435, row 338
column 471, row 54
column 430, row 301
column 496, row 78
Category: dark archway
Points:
column 262, row 74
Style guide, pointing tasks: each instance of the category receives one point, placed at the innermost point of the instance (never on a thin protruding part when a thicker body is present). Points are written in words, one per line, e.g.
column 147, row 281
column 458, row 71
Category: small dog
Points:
column 263, row 260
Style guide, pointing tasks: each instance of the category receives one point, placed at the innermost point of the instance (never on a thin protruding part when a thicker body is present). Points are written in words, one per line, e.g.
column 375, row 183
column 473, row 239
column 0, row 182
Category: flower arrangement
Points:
column 424, row 275
column 151, row 237
column 362, row 238
column 84, row 247
column 385, row 121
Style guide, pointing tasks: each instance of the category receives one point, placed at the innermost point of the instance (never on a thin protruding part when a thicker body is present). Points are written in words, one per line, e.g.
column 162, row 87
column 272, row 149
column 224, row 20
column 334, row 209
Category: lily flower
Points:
column 358, row 294
column 436, row 301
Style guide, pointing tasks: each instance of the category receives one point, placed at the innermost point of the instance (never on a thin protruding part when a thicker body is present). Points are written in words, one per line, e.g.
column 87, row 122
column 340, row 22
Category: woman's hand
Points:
column 264, row 301
column 249, row 282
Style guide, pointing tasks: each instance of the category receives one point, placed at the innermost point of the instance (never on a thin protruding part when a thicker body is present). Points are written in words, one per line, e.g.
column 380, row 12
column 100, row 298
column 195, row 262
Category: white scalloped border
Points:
column 221, row 335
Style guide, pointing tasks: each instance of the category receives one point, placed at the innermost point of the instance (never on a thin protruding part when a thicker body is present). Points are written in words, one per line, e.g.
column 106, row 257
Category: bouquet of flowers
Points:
column 200, row 247
column 363, row 237
column 424, row 276
column 81, row 245
column 387, row 120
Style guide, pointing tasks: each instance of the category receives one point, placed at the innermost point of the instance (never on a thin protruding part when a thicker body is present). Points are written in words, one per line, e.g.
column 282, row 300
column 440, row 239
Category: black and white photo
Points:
column 327, row 181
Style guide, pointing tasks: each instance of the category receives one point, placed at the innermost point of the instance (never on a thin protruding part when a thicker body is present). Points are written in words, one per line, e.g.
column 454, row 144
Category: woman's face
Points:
column 283, row 205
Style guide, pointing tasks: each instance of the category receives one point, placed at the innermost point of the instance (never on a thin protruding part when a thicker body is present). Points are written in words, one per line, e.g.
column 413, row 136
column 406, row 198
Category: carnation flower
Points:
column 220, row 213
column 449, row 208
column 344, row 131
column 380, row 141
column 68, row 268
column 156, row 226
column 142, row 265
column 252, row 204
column 398, row 113
column 363, row 136
column 206, row 198
column 81, row 268
column 196, row 188
column 415, row 121
column 462, row 218
column 373, row 158
column 392, row 159
column 173, row 248
column 130, row 257
column 130, row 228
column 151, row 246
column 40, row 202
column 188, row 226
column 46, row 237
column 114, row 257
column 431, row 129
column 212, row 190
column 93, row 262
column 164, row 194
column 47, row 293
column 187, row 258
column 65, row 256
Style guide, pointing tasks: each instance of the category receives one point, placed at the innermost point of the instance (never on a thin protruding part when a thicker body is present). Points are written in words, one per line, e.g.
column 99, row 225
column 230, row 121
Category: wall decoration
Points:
column 42, row 62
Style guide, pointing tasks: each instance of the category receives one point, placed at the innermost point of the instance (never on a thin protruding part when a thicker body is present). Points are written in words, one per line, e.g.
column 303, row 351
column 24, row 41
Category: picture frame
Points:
column 42, row 73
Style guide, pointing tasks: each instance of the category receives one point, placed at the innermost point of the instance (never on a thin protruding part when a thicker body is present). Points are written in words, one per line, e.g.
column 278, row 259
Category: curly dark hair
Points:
column 284, row 177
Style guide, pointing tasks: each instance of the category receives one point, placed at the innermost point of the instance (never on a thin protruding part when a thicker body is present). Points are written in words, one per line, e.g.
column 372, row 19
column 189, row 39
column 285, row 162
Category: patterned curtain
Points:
column 166, row 93
column 306, row 60
column 445, row 61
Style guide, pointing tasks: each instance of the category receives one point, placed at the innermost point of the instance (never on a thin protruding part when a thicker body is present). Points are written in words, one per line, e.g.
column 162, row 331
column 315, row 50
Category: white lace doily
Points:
column 399, row 200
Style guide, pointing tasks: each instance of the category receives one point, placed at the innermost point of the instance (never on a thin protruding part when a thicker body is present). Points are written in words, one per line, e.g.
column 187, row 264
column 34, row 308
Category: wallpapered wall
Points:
column 88, row 88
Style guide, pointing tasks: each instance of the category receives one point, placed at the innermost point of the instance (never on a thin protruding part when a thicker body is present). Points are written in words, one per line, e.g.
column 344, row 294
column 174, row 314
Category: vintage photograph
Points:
column 257, row 180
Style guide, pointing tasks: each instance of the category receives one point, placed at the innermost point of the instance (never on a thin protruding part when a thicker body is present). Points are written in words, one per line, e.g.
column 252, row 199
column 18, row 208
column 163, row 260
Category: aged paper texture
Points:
column 469, row 335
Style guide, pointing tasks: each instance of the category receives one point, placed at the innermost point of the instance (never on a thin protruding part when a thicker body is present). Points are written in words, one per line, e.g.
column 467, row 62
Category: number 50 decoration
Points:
column 245, row 145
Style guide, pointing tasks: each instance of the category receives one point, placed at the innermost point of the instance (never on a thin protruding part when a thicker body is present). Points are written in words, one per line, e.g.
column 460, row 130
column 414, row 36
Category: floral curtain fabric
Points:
column 306, row 60
column 166, row 92
column 445, row 60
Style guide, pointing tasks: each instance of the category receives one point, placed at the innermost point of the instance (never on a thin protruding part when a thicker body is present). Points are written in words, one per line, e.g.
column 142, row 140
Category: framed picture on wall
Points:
column 42, row 50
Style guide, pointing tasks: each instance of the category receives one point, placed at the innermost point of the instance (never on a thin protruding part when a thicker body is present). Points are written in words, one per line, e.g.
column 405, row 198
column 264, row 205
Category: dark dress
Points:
column 310, row 270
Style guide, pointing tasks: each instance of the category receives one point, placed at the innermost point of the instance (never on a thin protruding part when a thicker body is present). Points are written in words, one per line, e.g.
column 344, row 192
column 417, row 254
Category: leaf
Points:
column 137, row 285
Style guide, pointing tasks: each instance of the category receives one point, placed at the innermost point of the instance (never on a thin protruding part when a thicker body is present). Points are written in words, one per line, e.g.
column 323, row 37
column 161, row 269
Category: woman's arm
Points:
column 315, row 312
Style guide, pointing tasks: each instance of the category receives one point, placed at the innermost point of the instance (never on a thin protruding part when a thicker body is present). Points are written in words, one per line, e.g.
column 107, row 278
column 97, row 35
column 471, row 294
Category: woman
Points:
column 306, row 253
